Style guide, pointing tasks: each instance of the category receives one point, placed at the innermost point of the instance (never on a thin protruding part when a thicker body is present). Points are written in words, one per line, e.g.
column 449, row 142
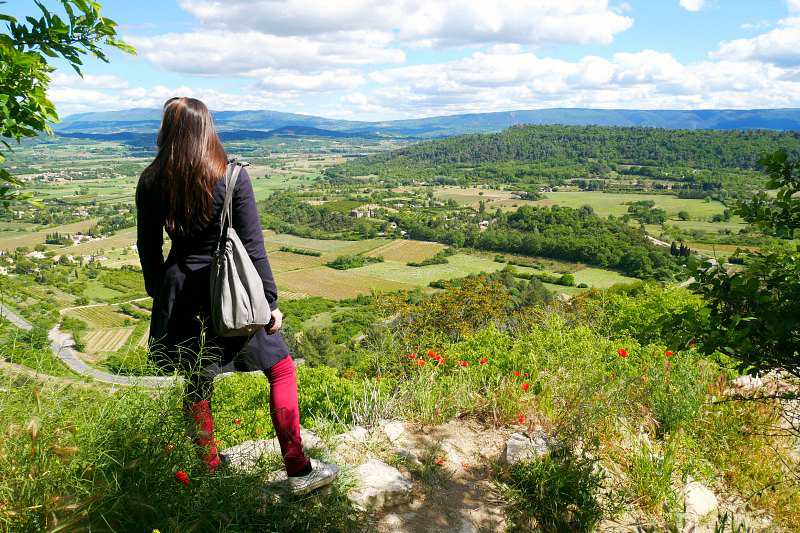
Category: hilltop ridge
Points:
column 147, row 120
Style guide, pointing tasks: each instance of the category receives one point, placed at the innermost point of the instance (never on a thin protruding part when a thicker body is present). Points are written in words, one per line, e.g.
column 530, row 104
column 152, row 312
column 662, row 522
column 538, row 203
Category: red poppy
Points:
column 484, row 361
column 516, row 373
column 431, row 353
column 521, row 418
column 182, row 477
column 668, row 353
column 412, row 356
column 526, row 386
column 421, row 362
column 527, row 375
column 440, row 361
column 463, row 363
column 440, row 460
column 237, row 421
column 622, row 352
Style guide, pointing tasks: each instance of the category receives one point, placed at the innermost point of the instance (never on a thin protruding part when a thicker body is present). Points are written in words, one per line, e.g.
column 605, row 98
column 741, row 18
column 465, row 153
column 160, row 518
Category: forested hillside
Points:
column 702, row 149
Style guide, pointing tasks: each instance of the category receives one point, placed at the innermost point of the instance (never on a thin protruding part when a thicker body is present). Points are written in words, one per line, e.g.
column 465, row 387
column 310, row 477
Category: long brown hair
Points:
column 189, row 162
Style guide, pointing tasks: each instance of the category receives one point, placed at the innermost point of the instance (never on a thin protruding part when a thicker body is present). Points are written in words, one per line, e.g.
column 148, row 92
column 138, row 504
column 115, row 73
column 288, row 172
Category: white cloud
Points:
column 325, row 81
column 646, row 79
column 105, row 81
column 78, row 99
column 692, row 5
column 780, row 46
column 222, row 53
column 793, row 5
column 431, row 22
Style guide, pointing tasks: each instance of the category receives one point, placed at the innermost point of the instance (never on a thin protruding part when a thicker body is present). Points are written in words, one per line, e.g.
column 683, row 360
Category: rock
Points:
column 357, row 434
column 408, row 456
column 394, row 430
column 521, row 447
column 379, row 485
column 310, row 439
column 698, row 501
column 748, row 382
column 245, row 456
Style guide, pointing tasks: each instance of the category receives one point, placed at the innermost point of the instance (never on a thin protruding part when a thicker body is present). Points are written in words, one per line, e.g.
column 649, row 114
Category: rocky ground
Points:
column 440, row 478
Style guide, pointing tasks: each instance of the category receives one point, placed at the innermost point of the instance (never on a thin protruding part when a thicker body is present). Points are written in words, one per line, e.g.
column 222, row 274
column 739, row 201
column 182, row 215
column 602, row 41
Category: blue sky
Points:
column 381, row 59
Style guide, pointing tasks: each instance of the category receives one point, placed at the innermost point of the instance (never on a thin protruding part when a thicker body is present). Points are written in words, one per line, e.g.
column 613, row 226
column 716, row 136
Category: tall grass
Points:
column 74, row 460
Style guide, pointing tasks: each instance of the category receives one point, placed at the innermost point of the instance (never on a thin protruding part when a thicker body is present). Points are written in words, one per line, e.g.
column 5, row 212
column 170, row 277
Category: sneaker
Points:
column 321, row 474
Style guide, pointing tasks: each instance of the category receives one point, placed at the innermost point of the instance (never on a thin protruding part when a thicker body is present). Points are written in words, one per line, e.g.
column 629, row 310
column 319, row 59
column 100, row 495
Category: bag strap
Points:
column 226, row 216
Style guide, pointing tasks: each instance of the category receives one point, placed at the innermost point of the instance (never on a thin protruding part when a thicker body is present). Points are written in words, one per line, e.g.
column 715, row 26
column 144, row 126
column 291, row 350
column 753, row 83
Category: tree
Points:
column 755, row 311
column 25, row 49
column 779, row 216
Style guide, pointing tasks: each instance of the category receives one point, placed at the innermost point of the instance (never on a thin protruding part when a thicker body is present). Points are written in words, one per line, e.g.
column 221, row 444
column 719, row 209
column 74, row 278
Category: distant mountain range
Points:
column 141, row 124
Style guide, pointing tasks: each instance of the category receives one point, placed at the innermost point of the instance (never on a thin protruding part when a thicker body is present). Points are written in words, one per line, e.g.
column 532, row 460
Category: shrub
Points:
column 300, row 251
column 559, row 492
column 346, row 262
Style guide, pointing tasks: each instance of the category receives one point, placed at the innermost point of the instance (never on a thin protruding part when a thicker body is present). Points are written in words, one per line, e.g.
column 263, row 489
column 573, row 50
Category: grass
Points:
column 616, row 203
column 274, row 241
column 458, row 266
column 600, row 278
column 407, row 250
column 334, row 284
column 80, row 460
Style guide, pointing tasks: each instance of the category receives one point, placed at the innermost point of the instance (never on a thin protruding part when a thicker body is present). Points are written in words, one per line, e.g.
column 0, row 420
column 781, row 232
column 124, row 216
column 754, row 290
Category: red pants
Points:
column 283, row 408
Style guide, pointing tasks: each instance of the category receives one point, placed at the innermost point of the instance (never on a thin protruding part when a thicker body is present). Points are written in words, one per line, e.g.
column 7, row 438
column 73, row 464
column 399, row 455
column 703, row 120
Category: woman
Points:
column 182, row 191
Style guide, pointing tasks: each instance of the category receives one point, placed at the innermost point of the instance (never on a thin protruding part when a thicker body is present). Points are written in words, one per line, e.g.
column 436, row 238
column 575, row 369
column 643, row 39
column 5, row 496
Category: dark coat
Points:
column 180, row 285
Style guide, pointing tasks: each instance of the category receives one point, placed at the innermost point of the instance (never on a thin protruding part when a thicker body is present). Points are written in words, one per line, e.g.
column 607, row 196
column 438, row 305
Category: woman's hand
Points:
column 277, row 322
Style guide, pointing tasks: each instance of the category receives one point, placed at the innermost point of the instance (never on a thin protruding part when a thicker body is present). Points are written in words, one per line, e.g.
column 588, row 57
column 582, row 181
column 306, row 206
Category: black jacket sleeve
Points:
column 247, row 224
column 149, row 239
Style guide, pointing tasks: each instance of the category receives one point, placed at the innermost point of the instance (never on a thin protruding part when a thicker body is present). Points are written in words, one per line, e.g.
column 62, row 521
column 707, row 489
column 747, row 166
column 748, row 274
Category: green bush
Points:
column 346, row 262
column 301, row 251
column 559, row 492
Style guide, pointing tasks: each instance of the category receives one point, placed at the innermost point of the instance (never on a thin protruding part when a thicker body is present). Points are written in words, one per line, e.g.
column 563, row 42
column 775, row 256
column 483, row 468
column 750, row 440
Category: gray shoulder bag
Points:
column 238, row 304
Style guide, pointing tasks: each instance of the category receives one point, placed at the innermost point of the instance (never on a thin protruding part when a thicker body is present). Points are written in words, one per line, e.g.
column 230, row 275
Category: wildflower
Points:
column 432, row 353
column 182, row 477
column 463, row 363
column 668, row 353
column 525, row 386
column 622, row 352
column 527, row 375
column 440, row 460
column 484, row 361
column 516, row 373
column 421, row 362
column 237, row 421
column 412, row 356
column 521, row 418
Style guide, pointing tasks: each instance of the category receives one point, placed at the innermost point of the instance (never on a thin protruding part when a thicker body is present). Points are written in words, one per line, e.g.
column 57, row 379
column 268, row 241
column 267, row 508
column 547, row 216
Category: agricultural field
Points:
column 616, row 203
column 100, row 316
column 406, row 251
column 274, row 241
column 335, row 284
column 106, row 339
column 11, row 238
column 458, row 266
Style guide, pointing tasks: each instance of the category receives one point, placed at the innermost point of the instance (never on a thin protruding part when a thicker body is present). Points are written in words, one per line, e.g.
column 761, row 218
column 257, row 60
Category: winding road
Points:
column 62, row 346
